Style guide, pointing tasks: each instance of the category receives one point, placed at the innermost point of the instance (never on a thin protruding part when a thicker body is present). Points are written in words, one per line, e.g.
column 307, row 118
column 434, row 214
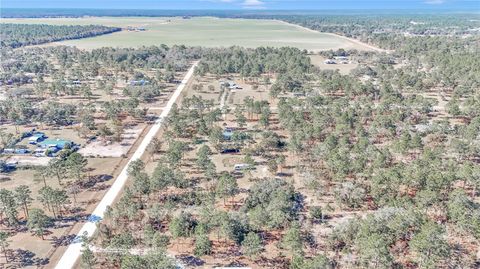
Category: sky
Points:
column 470, row 5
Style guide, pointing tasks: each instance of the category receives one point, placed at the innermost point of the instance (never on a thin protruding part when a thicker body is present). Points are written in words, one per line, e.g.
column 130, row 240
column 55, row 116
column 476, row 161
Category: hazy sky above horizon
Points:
column 472, row 5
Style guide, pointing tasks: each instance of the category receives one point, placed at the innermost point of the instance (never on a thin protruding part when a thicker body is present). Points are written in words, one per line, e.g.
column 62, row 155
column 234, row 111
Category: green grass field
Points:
column 205, row 31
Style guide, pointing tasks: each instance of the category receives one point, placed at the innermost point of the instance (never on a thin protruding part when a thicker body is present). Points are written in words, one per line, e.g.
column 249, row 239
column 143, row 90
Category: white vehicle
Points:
column 40, row 152
column 298, row 94
column 9, row 151
column 241, row 166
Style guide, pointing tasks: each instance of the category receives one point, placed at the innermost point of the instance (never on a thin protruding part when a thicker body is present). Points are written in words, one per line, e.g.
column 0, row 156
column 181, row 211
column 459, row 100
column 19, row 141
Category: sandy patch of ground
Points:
column 237, row 97
column 22, row 160
column 344, row 69
column 102, row 149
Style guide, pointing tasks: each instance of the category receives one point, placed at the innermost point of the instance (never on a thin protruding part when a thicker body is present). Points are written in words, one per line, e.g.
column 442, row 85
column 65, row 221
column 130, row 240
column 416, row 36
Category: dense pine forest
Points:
column 17, row 35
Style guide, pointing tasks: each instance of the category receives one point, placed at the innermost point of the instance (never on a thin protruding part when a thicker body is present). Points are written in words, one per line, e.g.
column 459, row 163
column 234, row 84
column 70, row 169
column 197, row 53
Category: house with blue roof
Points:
column 56, row 143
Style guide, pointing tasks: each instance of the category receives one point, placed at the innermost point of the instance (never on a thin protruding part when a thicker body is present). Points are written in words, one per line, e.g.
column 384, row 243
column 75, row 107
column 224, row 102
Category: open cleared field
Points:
column 344, row 69
column 204, row 31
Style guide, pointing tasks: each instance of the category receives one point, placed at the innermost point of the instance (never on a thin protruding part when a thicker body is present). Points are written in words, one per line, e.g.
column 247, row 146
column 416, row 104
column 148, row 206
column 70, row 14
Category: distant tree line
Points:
column 17, row 35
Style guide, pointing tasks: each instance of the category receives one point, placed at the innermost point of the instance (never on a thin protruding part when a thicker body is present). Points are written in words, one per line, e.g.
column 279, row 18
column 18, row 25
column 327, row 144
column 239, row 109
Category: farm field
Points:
column 203, row 31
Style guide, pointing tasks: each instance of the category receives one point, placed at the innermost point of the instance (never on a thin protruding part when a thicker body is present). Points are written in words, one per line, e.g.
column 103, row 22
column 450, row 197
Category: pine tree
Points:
column 252, row 245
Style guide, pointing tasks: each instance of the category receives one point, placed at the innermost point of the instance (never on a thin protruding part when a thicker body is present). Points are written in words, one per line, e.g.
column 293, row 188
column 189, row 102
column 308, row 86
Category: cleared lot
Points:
column 103, row 149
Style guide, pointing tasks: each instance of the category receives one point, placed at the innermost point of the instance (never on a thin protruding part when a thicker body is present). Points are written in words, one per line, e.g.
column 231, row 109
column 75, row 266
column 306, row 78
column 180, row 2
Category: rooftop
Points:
column 60, row 143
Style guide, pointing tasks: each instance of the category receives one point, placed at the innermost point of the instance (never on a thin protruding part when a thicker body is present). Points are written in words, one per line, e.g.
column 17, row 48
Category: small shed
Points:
column 227, row 133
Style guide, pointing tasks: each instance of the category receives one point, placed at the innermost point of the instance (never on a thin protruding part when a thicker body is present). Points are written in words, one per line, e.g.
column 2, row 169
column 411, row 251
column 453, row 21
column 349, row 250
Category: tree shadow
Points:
column 93, row 180
column 283, row 174
column 190, row 260
column 63, row 240
column 26, row 258
column 100, row 187
column 277, row 262
column 125, row 144
column 73, row 219
column 236, row 264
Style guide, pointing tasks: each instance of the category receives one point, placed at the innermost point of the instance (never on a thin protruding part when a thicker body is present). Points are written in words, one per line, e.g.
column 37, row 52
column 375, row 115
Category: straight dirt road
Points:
column 73, row 252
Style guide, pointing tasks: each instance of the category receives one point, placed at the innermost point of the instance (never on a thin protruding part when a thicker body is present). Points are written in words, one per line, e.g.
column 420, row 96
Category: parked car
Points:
column 229, row 150
column 21, row 151
column 6, row 167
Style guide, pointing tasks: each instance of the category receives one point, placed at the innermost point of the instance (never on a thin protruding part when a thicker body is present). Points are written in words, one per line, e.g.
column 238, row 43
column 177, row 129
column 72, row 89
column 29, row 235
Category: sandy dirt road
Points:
column 73, row 252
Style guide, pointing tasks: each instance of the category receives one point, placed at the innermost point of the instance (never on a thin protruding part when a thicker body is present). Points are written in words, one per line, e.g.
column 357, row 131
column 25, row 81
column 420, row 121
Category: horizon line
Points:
column 247, row 10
